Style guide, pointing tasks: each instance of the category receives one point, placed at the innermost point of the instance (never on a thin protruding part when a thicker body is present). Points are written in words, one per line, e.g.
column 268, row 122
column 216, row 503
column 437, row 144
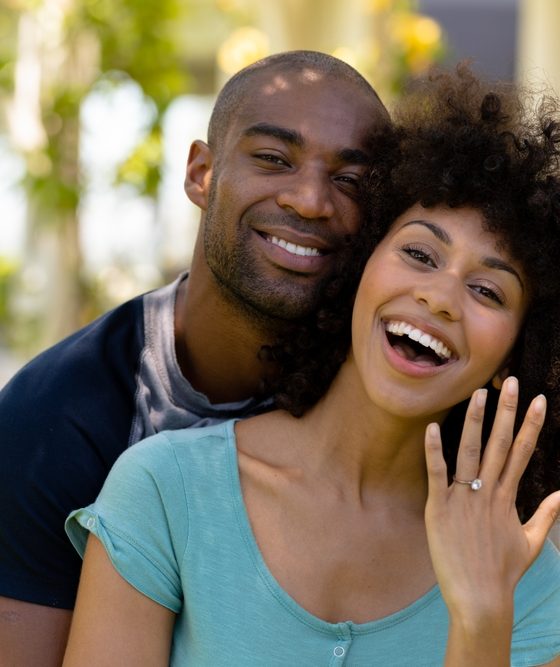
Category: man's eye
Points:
column 350, row 180
column 348, row 184
column 272, row 159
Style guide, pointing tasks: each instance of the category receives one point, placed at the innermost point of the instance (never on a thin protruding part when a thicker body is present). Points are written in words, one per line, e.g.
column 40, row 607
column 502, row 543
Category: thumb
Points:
column 540, row 524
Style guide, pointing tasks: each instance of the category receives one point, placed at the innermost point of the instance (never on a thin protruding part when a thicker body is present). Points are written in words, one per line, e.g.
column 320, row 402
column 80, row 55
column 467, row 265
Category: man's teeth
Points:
column 295, row 249
column 405, row 329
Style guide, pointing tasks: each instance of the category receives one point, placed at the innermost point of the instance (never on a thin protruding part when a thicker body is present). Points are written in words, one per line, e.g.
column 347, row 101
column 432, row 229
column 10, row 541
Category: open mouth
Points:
column 416, row 345
column 293, row 248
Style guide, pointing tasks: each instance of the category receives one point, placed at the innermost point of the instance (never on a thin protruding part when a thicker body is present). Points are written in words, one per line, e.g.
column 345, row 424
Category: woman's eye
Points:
column 488, row 293
column 419, row 255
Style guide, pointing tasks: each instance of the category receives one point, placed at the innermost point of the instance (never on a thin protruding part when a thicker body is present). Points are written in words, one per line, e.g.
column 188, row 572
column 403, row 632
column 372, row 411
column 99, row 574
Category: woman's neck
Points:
column 364, row 447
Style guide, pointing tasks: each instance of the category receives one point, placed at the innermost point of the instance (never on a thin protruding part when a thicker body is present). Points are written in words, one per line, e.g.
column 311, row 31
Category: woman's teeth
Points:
column 425, row 339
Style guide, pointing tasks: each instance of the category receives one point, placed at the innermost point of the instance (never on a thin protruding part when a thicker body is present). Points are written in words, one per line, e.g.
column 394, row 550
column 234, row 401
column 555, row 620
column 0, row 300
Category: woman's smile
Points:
column 416, row 345
column 441, row 302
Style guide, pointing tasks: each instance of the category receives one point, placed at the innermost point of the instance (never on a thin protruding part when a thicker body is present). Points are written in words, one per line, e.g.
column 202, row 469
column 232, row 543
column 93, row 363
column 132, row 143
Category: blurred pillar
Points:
column 319, row 25
column 538, row 50
column 355, row 31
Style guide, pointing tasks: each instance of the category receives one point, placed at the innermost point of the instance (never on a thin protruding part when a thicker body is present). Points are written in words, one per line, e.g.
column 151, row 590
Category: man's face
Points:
column 283, row 194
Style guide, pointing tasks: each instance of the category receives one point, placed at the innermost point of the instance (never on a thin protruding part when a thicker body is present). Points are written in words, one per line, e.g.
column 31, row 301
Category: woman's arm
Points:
column 479, row 548
column 113, row 623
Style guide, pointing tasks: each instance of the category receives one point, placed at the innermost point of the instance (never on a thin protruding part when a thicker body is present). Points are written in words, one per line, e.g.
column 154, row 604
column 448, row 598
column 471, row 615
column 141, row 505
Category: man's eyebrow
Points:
column 353, row 156
column 346, row 155
column 282, row 133
column 489, row 262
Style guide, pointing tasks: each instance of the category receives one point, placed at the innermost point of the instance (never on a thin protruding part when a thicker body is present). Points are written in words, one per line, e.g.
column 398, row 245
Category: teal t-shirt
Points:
column 172, row 519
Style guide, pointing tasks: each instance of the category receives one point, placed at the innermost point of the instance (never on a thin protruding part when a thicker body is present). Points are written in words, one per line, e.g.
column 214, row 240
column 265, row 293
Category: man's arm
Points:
column 32, row 635
column 64, row 419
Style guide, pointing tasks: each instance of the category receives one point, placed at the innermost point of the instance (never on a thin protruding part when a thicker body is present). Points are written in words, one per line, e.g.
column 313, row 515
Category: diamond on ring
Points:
column 475, row 484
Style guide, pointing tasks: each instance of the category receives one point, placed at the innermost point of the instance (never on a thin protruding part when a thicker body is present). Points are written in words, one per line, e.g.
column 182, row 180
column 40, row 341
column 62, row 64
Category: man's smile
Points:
column 293, row 248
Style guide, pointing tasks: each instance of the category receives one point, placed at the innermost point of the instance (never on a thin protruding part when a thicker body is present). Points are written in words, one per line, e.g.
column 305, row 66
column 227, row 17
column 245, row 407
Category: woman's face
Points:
column 437, row 312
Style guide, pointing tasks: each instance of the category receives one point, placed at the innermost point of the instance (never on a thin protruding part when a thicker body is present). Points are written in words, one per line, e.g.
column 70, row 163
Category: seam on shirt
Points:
column 185, row 496
column 137, row 546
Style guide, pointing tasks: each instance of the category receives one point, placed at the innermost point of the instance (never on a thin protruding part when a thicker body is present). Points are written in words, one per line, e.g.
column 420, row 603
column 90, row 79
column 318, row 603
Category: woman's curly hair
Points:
column 458, row 141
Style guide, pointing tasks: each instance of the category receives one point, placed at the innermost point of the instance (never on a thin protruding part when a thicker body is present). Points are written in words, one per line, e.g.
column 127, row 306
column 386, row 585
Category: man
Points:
column 277, row 188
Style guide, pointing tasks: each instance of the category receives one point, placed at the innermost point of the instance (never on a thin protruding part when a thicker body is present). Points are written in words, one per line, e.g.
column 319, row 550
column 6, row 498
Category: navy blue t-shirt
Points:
column 64, row 420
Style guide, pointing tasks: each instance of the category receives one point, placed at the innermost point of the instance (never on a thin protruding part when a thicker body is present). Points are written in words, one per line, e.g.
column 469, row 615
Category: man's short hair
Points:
column 238, row 87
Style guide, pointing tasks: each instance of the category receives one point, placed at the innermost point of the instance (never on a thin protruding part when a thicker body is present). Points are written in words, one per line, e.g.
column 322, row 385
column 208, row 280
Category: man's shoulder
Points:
column 80, row 381
column 113, row 339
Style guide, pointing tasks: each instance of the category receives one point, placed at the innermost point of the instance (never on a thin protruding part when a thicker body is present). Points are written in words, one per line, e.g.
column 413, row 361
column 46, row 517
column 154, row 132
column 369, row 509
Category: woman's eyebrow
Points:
column 489, row 262
column 497, row 263
column 436, row 230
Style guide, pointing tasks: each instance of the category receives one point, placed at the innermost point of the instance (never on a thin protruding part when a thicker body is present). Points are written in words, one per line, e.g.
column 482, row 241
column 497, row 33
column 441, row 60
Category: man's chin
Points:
column 276, row 307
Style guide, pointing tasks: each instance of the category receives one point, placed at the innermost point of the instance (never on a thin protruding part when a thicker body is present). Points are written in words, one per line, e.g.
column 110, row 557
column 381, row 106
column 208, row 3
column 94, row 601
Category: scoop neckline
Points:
column 281, row 595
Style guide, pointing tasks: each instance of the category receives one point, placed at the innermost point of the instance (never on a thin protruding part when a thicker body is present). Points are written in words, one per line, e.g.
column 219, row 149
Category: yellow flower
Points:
column 243, row 47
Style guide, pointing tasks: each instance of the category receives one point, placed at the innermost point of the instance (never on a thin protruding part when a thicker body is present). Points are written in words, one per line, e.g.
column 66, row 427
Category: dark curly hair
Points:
column 458, row 140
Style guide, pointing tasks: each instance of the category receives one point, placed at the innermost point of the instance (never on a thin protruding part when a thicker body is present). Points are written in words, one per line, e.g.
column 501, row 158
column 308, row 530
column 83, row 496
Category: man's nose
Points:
column 309, row 194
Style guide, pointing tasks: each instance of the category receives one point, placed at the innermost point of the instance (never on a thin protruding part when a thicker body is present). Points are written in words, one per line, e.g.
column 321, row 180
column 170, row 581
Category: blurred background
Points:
column 100, row 100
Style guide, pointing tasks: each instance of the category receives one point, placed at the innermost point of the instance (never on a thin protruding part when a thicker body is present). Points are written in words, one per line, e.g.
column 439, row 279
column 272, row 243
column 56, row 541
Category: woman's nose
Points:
column 441, row 293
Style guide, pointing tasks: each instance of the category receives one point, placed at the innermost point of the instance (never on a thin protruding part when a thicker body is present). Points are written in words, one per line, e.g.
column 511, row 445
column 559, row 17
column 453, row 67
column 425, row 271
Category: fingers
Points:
column 540, row 524
column 468, row 455
column 435, row 463
column 525, row 443
column 503, row 461
column 501, row 436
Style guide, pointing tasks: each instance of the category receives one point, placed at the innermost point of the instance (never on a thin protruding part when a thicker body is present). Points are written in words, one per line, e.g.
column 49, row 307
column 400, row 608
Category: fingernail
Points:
column 480, row 397
column 433, row 430
column 539, row 404
column 510, row 385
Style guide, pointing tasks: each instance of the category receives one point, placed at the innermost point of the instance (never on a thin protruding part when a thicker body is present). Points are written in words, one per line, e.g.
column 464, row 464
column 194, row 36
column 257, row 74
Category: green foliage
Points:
column 142, row 168
column 8, row 32
column 8, row 273
column 140, row 39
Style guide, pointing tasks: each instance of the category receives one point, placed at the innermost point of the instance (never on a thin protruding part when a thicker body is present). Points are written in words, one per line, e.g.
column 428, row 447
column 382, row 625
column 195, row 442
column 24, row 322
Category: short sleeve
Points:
column 64, row 418
column 536, row 630
column 141, row 518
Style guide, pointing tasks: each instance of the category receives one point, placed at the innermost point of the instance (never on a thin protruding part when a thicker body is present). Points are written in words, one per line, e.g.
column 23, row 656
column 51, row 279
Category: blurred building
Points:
column 482, row 30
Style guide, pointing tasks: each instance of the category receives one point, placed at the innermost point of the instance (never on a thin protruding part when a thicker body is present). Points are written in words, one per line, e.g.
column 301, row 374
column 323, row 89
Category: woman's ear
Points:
column 501, row 375
column 199, row 173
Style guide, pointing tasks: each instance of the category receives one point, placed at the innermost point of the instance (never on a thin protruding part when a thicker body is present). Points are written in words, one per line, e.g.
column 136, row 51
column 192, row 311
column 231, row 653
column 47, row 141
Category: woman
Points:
column 340, row 538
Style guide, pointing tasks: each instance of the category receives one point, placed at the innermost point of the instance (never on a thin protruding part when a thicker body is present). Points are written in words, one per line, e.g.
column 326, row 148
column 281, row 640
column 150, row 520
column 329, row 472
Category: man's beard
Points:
column 266, row 300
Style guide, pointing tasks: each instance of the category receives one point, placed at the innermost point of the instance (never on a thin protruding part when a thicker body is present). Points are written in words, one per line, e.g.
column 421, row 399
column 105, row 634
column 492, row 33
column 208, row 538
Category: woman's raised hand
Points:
column 478, row 546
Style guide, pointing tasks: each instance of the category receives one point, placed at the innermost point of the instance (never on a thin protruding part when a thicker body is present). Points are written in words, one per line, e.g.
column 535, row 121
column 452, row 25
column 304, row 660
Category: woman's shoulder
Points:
column 182, row 444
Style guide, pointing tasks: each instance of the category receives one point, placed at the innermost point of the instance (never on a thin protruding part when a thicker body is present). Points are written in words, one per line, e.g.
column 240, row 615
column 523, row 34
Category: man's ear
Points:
column 199, row 173
column 501, row 375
